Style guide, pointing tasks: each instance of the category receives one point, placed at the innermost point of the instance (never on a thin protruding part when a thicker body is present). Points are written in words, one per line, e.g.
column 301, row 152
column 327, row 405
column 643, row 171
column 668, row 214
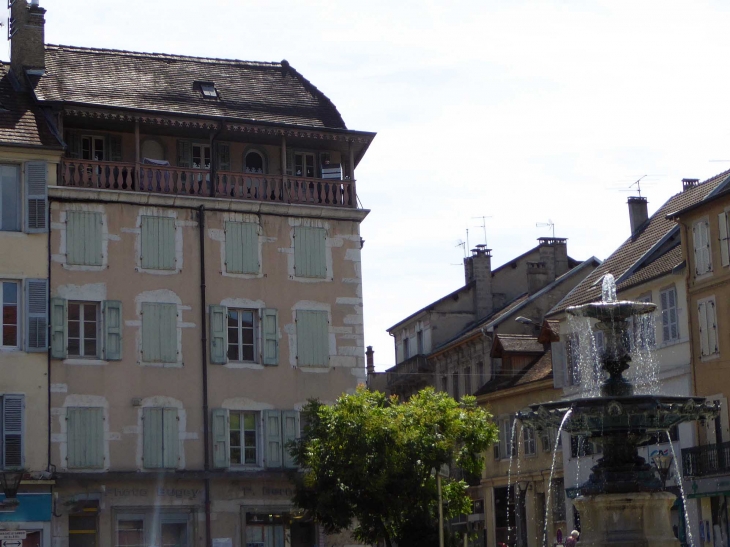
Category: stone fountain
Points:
column 624, row 502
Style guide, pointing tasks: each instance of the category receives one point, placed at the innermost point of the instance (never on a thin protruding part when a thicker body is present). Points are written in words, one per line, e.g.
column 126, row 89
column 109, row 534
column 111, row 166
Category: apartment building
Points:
column 29, row 155
column 204, row 283
column 649, row 266
column 706, row 467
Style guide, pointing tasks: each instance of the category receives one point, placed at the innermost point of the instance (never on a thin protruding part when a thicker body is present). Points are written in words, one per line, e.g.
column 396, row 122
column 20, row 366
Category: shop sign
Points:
column 12, row 535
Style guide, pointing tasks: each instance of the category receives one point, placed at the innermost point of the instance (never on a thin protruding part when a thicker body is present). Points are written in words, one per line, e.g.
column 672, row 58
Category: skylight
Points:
column 208, row 90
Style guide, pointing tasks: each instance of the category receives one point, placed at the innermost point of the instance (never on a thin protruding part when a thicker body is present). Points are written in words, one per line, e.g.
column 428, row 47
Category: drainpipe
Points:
column 204, row 347
column 48, row 335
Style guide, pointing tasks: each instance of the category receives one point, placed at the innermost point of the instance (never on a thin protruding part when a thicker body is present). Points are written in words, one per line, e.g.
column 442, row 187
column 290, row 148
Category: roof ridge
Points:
column 171, row 56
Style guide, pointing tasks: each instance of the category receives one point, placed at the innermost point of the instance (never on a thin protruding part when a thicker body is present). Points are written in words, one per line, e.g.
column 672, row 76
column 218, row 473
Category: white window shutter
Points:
column 559, row 364
column 270, row 336
column 221, row 446
column 170, row 438
column 290, row 432
column 36, row 197
column 218, row 318
column 724, row 250
column 712, row 327
column 704, row 333
column 59, row 314
column 706, row 247
column 152, row 438
column 272, row 438
column 696, row 246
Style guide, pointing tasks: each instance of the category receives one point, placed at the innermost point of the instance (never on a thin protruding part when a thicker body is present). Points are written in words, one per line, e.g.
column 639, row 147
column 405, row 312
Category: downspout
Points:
column 204, row 362
column 48, row 335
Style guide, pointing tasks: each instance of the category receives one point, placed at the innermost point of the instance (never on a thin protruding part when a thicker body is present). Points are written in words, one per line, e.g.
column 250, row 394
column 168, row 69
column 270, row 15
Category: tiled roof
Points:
column 516, row 343
column 661, row 266
column 630, row 253
column 20, row 122
column 541, row 368
column 252, row 91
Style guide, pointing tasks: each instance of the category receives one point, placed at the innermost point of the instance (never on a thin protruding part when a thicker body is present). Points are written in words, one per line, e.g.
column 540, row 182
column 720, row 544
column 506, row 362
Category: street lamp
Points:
column 527, row 321
column 10, row 481
column 663, row 464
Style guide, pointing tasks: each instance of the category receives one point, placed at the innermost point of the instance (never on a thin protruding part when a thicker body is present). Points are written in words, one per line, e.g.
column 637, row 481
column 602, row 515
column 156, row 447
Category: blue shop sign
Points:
column 32, row 508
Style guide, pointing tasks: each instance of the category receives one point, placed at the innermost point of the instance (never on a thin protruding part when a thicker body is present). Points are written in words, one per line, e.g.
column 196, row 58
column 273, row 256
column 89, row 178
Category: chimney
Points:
column 369, row 360
column 27, row 42
column 638, row 213
column 537, row 276
column 554, row 255
column 478, row 268
column 689, row 183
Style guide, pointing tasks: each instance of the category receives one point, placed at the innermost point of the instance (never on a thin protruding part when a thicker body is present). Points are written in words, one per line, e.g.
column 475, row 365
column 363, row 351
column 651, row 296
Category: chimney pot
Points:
column 369, row 359
column 27, row 41
column 689, row 183
column 638, row 213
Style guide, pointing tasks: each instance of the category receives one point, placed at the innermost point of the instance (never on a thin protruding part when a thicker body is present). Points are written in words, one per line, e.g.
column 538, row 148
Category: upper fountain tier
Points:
column 609, row 309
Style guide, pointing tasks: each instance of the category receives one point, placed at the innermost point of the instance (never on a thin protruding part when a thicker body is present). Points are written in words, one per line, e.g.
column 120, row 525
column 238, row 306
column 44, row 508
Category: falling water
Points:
column 608, row 289
column 645, row 370
column 588, row 373
column 681, row 489
column 509, row 469
column 552, row 470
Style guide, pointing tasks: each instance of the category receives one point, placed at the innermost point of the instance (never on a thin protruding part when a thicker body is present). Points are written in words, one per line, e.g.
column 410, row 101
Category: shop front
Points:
column 29, row 523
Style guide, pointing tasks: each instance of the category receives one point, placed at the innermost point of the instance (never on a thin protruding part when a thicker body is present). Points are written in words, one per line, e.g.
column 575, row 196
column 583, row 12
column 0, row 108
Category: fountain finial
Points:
column 608, row 289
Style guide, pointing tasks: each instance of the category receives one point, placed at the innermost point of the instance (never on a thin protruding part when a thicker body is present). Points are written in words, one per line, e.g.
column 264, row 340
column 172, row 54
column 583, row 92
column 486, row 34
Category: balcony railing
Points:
column 157, row 179
column 414, row 370
column 706, row 460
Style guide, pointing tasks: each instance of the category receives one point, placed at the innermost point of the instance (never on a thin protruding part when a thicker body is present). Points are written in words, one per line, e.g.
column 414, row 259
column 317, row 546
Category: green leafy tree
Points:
column 369, row 463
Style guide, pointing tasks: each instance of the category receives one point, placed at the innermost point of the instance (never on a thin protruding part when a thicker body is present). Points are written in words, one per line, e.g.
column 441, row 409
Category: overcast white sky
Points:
column 522, row 111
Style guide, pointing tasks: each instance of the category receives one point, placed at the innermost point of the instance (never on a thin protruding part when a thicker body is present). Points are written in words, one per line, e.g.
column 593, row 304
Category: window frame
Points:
column 261, row 155
column 19, row 199
column 242, row 447
column 303, row 155
column 203, row 148
column 255, row 330
column 18, row 314
column 152, row 521
column 529, row 444
column 82, row 336
column 667, row 291
column 93, row 141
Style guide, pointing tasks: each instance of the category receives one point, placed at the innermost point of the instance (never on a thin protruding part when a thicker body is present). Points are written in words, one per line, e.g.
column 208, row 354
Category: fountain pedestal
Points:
column 639, row 519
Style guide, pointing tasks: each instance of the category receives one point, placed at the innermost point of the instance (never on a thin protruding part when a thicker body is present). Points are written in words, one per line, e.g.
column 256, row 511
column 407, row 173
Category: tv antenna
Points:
column 483, row 225
column 638, row 184
column 549, row 224
column 462, row 244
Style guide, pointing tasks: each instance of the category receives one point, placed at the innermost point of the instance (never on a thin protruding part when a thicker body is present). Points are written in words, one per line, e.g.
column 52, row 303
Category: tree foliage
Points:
column 369, row 463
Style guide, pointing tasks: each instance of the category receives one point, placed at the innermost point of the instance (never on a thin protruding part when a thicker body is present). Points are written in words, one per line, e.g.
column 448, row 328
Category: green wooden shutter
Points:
column 113, row 330
column 170, row 439
column 312, row 338
column 221, row 447
column 224, row 157
column 85, row 443
column 270, row 336
column 115, row 148
column 152, row 438
column 290, row 427
column 36, row 197
column 242, row 247
column 184, row 154
column 36, row 315
column 158, row 243
column 272, row 434
column 59, row 313
column 309, row 252
column 218, row 335
column 10, row 195
column 83, row 238
column 13, row 455
column 159, row 332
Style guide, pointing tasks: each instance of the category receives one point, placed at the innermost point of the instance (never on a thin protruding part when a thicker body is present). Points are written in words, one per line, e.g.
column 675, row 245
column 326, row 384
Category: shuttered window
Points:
column 724, row 229
column 13, row 426
column 309, row 252
column 670, row 324
column 85, row 446
column 290, row 433
column 76, row 329
column 36, row 319
column 243, row 437
column 159, row 332
column 528, row 441
column 707, row 319
column 158, row 243
column 221, row 450
column 36, row 197
column 312, row 338
column 83, row 238
column 9, row 198
column 242, row 248
column 701, row 241
column 160, row 438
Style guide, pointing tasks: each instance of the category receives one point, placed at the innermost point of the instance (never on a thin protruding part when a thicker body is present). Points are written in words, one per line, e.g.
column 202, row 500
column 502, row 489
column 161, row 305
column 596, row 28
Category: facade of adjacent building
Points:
column 648, row 266
column 706, row 467
column 200, row 283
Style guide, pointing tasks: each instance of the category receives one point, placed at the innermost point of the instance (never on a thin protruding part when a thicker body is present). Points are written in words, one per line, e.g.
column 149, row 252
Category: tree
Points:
column 369, row 463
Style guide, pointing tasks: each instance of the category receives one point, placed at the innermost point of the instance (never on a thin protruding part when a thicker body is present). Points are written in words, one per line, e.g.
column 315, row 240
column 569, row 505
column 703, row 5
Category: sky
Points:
column 523, row 112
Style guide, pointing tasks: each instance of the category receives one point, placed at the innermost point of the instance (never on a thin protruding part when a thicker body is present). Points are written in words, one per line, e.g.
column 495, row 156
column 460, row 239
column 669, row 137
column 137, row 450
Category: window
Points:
column 208, row 90
column 85, row 438
column 165, row 529
column 310, row 259
column 152, row 150
column 467, row 381
column 303, row 164
column 9, row 198
column 92, row 148
column 254, row 162
column 445, row 384
column 546, row 441
column 159, row 332
column 708, row 327
column 670, row 324
column 161, row 444
column 10, row 319
column 83, row 329
column 406, row 347
column 312, row 338
column 642, row 335
column 83, row 238
column 455, row 385
column 158, row 243
column 701, row 241
column 36, row 315
column 201, row 156
column 238, row 439
column 13, row 425
column 243, row 438
column 506, row 444
column 419, row 342
column 528, row 440
column 724, row 228
column 241, row 335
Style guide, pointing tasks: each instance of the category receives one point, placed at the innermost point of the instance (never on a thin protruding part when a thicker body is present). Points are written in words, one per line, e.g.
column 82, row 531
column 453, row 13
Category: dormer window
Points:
column 208, row 90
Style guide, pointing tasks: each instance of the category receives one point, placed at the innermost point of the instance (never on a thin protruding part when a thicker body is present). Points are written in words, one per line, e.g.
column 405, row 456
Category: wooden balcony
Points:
column 154, row 179
column 415, row 371
column 706, row 460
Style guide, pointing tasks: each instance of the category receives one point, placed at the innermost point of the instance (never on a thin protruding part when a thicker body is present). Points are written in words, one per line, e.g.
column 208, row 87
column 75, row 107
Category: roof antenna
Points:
column 483, row 226
column 461, row 244
column 548, row 224
column 638, row 184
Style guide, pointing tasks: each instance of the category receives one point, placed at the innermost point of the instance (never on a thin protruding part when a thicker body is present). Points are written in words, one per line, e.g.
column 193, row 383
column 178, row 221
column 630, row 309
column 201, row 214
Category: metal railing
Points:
column 709, row 459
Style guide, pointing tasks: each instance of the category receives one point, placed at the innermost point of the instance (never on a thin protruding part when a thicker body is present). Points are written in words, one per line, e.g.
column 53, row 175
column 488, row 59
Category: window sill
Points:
column 160, row 365
column 713, row 357
column 671, row 343
column 244, row 365
column 315, row 369
column 84, row 361
column 245, row 468
column 9, row 349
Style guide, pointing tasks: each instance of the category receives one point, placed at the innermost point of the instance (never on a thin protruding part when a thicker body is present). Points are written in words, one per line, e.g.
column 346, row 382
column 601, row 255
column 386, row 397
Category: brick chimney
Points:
column 478, row 268
column 27, row 42
column 554, row 255
column 638, row 213
column 369, row 359
column 537, row 276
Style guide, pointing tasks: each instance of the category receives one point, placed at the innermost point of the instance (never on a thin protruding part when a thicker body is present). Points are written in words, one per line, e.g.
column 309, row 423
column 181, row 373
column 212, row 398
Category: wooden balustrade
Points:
column 159, row 179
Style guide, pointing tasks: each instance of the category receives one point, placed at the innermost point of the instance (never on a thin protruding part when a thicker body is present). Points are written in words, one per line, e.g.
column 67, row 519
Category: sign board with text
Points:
column 12, row 534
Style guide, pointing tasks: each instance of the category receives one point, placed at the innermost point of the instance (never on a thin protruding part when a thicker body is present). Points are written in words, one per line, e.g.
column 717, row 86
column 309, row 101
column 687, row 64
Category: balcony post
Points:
column 136, row 155
column 353, row 191
column 283, row 157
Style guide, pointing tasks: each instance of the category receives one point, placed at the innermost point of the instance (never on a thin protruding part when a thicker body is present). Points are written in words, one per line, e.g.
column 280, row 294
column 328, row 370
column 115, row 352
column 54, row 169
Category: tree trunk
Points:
column 386, row 535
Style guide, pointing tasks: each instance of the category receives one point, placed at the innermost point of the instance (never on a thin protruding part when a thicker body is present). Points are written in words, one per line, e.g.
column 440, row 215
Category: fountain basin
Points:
column 609, row 312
